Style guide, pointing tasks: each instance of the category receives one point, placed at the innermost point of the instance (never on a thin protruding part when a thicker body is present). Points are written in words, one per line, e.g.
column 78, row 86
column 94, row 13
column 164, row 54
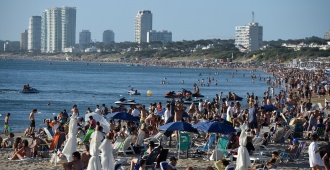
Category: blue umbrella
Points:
column 180, row 126
column 199, row 124
column 216, row 127
column 122, row 116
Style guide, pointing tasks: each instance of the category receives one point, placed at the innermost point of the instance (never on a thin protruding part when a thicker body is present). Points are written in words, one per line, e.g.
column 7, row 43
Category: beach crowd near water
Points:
column 286, row 129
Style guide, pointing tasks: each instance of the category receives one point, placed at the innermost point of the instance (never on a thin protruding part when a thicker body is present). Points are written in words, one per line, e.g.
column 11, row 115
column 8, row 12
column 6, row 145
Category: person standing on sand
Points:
column 6, row 124
column 32, row 121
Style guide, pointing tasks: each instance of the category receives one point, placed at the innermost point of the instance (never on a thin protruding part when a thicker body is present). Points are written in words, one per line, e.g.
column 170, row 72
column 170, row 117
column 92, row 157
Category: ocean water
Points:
column 63, row 84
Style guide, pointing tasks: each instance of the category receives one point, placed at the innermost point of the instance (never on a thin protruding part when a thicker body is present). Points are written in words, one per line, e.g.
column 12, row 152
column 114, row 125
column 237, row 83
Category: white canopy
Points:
column 99, row 118
column 94, row 162
column 107, row 160
column 71, row 144
column 243, row 158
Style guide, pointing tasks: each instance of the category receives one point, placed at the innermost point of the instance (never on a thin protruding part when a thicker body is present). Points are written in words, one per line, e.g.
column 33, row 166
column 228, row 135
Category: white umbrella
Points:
column 94, row 162
column 243, row 158
column 71, row 144
column 107, row 160
column 99, row 118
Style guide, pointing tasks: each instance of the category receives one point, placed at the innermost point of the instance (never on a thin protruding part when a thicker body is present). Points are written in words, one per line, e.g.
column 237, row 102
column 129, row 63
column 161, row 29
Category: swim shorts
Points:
column 33, row 123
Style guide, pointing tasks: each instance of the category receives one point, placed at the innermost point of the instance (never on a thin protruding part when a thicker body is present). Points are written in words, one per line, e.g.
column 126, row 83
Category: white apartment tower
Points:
column 143, row 24
column 108, row 37
column 58, row 30
column 34, row 34
column 84, row 39
column 249, row 38
column 162, row 36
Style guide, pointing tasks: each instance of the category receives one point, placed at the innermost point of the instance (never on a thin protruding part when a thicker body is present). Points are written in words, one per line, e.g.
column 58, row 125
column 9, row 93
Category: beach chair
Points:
column 287, row 157
column 156, row 138
column 49, row 134
column 150, row 161
column 116, row 146
column 222, row 145
column 163, row 165
column 88, row 135
column 278, row 160
column 118, row 163
column 162, row 156
column 127, row 147
column 208, row 145
column 185, row 143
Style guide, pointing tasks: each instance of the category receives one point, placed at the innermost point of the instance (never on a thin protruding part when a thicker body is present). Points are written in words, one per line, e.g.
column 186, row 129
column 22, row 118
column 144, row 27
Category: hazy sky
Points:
column 186, row 19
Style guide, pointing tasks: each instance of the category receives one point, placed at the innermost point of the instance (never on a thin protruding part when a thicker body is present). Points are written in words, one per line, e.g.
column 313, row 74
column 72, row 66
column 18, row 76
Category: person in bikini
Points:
column 24, row 152
column 6, row 126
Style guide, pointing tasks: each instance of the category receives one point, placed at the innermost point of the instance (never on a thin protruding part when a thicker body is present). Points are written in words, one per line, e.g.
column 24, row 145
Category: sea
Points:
column 64, row 84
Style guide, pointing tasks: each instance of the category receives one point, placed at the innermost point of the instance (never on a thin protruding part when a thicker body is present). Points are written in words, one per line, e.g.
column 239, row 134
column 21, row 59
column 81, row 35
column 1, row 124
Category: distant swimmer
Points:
column 48, row 104
column 182, row 81
column 227, row 80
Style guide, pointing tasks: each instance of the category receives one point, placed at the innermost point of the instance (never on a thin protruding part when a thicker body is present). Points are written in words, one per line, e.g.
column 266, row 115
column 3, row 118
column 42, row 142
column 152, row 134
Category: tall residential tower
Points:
column 34, row 34
column 84, row 39
column 249, row 38
column 58, row 30
column 108, row 37
column 143, row 24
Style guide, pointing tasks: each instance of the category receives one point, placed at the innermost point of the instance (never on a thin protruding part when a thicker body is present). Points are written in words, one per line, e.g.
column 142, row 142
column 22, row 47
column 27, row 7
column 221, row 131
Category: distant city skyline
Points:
column 193, row 20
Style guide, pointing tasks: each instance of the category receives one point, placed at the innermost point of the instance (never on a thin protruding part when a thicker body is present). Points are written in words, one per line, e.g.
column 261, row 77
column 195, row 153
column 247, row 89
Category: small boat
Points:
column 28, row 89
column 133, row 92
column 124, row 101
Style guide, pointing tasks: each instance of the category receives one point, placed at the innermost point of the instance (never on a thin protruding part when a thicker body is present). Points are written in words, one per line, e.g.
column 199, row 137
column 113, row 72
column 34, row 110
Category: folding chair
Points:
column 222, row 145
column 185, row 143
column 116, row 146
column 163, row 165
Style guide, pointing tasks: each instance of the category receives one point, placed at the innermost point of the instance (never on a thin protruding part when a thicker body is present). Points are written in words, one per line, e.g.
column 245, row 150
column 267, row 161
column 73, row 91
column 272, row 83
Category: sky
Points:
column 186, row 19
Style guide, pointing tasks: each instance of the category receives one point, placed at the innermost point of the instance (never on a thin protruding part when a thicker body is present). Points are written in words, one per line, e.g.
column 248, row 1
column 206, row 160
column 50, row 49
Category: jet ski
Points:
column 123, row 101
column 172, row 94
column 133, row 92
column 28, row 89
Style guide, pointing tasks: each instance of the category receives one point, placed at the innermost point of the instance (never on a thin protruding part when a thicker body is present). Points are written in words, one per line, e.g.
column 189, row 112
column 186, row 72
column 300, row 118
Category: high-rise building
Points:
column 24, row 41
column 84, row 39
column 58, row 30
column 249, row 37
column 34, row 34
column 108, row 37
column 162, row 36
column 143, row 24
column 327, row 35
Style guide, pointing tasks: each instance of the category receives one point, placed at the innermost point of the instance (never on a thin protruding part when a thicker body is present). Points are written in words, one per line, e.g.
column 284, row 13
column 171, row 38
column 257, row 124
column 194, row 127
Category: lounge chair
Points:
column 127, row 147
column 119, row 162
column 185, row 143
column 156, row 138
column 116, row 146
column 287, row 157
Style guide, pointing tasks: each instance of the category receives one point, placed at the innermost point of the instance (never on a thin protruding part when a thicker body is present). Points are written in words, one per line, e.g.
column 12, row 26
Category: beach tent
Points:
column 243, row 158
column 107, row 160
column 99, row 118
column 94, row 162
column 71, row 143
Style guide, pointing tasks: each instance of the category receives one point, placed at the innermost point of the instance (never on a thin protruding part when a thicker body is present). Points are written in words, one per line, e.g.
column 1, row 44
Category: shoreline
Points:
column 176, row 63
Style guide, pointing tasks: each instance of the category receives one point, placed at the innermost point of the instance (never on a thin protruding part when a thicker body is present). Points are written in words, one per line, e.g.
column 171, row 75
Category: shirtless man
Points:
column 178, row 112
column 6, row 124
column 32, row 121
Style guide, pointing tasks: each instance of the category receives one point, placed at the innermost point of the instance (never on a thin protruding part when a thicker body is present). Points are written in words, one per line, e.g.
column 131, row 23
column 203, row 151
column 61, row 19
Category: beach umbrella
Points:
column 71, row 144
column 122, row 116
column 269, row 108
column 216, row 127
column 99, row 118
column 179, row 126
column 243, row 158
column 94, row 162
column 199, row 124
column 107, row 160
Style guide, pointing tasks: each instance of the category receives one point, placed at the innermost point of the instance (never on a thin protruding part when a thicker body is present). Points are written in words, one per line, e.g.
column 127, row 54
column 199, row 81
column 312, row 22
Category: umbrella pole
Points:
column 179, row 147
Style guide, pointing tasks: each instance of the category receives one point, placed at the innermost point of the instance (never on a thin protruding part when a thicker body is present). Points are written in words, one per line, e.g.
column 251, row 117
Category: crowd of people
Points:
column 292, row 108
